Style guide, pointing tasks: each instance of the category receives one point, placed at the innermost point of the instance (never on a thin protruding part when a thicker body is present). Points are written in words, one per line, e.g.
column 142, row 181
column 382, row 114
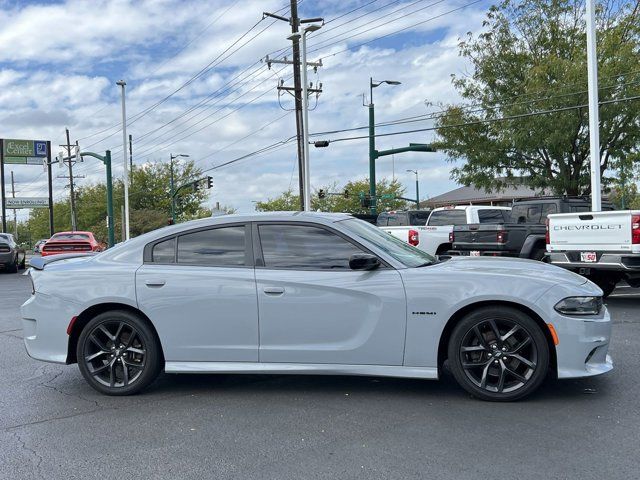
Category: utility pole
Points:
column 74, row 225
column 15, row 217
column 297, row 90
column 417, row 187
column 130, row 153
column 126, row 230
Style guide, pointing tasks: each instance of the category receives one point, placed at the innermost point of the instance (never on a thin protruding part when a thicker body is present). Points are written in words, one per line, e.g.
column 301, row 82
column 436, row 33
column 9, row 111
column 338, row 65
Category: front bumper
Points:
column 582, row 350
column 44, row 321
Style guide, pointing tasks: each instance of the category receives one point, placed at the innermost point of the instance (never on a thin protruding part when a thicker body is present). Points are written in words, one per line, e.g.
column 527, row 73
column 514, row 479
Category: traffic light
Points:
column 321, row 193
column 346, row 193
column 209, row 182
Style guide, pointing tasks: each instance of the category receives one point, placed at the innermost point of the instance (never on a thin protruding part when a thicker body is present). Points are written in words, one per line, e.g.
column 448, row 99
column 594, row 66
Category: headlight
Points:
column 579, row 306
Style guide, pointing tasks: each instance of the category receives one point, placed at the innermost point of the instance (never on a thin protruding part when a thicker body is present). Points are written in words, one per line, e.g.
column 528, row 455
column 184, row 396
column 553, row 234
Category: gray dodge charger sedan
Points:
column 310, row 293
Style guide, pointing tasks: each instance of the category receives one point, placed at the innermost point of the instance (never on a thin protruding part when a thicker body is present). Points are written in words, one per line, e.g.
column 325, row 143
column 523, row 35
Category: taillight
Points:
column 635, row 229
column 414, row 238
column 452, row 237
column 546, row 232
column 501, row 236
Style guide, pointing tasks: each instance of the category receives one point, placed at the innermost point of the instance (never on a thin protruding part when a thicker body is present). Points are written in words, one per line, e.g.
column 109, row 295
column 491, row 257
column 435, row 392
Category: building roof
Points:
column 466, row 195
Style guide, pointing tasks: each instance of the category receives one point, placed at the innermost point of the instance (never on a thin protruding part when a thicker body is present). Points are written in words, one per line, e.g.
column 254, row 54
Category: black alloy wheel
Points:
column 499, row 354
column 118, row 353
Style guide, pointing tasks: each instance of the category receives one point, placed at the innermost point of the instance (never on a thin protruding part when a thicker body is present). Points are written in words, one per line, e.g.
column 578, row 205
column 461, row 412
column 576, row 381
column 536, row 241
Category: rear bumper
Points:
column 7, row 258
column 44, row 322
column 606, row 261
column 583, row 345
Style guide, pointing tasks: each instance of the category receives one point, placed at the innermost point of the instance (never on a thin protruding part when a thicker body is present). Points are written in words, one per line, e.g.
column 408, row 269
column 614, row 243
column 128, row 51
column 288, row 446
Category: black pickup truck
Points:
column 524, row 236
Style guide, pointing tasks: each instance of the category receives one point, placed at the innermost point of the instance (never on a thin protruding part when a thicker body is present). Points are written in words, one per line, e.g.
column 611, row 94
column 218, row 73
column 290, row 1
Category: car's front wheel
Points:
column 498, row 354
column 118, row 353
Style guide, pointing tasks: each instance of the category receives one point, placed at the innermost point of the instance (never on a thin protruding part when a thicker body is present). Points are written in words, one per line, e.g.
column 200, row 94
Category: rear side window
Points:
column 218, row 247
column 382, row 220
column 448, row 217
column 493, row 216
column 526, row 213
column 580, row 208
column 304, row 247
column 548, row 209
column 164, row 252
column 395, row 220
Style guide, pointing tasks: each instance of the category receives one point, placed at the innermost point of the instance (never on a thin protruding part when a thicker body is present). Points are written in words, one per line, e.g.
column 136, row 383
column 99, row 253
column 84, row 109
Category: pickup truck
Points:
column 433, row 237
column 522, row 236
column 602, row 246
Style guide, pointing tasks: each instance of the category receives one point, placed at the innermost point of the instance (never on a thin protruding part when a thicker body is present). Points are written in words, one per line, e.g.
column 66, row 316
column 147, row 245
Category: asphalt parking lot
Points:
column 229, row 426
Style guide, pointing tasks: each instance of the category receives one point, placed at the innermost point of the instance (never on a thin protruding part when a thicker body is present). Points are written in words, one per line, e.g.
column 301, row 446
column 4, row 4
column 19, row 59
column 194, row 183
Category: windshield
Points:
column 402, row 252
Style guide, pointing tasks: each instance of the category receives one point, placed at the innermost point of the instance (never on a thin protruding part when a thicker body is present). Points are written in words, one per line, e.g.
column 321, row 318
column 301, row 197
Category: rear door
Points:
column 198, row 289
column 315, row 309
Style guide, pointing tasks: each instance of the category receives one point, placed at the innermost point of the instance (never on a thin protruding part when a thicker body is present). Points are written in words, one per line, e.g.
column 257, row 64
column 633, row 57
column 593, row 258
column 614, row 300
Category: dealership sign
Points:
column 27, row 202
column 24, row 148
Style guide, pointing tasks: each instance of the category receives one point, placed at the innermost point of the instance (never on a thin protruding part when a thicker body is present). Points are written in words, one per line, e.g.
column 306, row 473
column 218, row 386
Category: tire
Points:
column 23, row 263
column 538, row 254
column 13, row 266
column 606, row 284
column 114, row 342
column 500, row 367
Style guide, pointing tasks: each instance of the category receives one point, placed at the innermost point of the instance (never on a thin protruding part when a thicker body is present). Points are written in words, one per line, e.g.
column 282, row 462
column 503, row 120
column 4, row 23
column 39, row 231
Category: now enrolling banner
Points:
column 27, row 202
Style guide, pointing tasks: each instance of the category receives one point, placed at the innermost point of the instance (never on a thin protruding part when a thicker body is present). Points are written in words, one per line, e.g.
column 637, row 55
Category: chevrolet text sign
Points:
column 27, row 202
column 25, row 148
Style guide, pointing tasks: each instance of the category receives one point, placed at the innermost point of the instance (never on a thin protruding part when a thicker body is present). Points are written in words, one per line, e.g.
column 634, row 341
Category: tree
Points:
column 531, row 58
column 349, row 203
column 149, row 203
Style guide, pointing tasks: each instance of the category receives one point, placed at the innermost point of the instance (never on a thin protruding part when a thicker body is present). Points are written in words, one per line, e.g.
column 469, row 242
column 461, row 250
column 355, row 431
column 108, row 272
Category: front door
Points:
column 314, row 309
column 198, row 289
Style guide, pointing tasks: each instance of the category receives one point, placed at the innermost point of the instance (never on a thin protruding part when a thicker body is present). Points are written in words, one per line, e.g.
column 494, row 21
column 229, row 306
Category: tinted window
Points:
column 382, row 220
column 70, row 236
column 299, row 246
column 164, row 252
column 548, row 209
column 419, row 218
column 216, row 247
column 526, row 213
column 395, row 220
column 580, row 208
column 448, row 217
column 493, row 216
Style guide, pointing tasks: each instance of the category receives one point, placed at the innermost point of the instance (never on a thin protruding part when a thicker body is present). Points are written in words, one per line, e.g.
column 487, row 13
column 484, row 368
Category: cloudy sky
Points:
column 196, row 85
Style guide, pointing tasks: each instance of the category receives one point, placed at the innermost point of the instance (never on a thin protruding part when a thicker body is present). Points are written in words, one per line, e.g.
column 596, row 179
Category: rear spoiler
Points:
column 40, row 262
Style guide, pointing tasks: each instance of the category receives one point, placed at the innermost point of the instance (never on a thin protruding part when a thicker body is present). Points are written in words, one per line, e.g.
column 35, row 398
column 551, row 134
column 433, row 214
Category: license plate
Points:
column 588, row 257
column 474, row 253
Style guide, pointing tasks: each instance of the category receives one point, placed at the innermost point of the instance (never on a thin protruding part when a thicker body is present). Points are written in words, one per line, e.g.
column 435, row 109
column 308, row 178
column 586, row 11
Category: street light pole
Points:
column 372, row 142
column 172, row 185
column 417, row 189
column 594, row 122
column 127, row 232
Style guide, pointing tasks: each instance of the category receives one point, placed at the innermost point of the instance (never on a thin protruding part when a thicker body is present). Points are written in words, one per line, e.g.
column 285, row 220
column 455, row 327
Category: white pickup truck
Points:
column 434, row 237
column 602, row 246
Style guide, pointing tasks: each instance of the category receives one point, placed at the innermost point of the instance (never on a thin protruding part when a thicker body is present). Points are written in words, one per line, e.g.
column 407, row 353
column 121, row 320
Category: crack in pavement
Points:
column 47, row 384
column 30, row 450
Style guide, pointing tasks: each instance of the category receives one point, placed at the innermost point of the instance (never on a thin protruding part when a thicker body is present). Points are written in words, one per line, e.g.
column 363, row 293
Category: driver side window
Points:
column 300, row 247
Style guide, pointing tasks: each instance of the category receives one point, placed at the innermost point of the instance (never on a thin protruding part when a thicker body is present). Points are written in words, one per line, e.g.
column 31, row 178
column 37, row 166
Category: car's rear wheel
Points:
column 498, row 354
column 118, row 353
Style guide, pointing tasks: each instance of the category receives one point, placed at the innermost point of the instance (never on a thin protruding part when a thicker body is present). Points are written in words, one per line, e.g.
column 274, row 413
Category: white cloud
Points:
column 66, row 77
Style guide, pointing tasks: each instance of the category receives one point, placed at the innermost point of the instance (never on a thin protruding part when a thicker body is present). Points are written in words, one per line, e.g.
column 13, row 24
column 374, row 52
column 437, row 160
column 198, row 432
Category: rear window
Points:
column 70, row 236
column 419, row 218
column 448, row 217
column 493, row 216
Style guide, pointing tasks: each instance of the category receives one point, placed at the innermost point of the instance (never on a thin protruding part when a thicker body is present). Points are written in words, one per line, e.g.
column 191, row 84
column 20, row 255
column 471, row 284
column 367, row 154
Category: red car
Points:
column 71, row 242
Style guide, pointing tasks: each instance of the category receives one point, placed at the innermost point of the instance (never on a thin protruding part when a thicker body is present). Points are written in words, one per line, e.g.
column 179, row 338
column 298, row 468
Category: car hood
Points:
column 518, row 268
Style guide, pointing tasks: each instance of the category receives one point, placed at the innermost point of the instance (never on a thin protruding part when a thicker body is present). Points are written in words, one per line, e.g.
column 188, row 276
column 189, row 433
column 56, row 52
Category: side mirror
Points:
column 363, row 261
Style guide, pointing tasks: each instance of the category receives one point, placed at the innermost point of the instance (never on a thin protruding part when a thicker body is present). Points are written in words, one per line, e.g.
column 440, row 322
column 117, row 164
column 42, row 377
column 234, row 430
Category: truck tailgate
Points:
column 591, row 231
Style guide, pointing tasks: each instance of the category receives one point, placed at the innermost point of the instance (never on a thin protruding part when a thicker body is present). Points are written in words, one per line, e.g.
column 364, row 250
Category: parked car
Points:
column 603, row 246
column 403, row 218
column 522, row 236
column 38, row 245
column 68, row 242
column 12, row 255
column 310, row 293
column 433, row 237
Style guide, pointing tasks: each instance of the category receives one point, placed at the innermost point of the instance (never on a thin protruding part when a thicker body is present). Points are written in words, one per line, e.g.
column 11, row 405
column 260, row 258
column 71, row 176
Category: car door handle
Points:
column 154, row 283
column 273, row 290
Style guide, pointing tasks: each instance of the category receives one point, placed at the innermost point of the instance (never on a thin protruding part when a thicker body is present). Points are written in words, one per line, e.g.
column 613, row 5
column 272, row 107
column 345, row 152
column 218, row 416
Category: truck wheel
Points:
column 538, row 254
column 606, row 284
column 498, row 354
